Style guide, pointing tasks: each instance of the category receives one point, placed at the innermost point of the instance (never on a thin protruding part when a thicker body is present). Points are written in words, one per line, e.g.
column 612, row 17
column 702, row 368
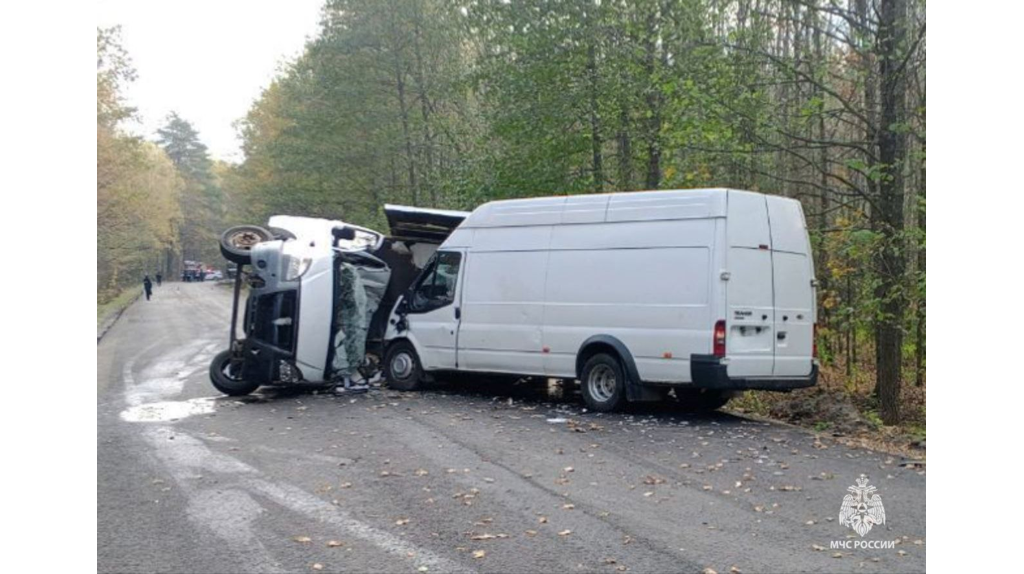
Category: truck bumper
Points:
column 708, row 372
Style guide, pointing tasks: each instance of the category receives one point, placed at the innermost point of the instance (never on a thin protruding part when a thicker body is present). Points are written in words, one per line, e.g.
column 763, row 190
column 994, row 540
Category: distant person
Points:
column 147, row 285
column 159, row 279
column 202, row 275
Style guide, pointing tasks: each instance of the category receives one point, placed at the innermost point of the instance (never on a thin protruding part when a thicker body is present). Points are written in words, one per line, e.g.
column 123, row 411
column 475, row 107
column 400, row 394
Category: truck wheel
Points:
column 226, row 378
column 603, row 383
column 237, row 242
column 702, row 401
column 402, row 367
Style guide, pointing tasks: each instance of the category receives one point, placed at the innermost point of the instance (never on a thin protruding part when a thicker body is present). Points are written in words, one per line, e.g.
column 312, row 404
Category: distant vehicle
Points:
column 704, row 292
column 215, row 275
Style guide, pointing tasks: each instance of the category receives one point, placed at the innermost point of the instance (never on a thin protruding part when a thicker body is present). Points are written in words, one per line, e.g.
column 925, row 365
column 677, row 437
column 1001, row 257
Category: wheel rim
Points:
column 245, row 239
column 402, row 365
column 231, row 370
column 601, row 383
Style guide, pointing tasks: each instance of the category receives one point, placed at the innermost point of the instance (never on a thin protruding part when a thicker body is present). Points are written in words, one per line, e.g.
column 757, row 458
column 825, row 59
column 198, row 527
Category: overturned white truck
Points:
column 693, row 293
column 319, row 295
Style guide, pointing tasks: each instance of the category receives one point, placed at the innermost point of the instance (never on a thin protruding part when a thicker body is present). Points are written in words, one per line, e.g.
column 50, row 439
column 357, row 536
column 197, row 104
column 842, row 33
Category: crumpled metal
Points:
column 360, row 290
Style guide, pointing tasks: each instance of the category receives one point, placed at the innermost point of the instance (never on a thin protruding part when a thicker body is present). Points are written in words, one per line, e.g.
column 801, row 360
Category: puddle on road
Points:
column 168, row 411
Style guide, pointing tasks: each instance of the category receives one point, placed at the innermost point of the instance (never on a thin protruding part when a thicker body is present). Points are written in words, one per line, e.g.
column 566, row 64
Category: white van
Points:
column 705, row 291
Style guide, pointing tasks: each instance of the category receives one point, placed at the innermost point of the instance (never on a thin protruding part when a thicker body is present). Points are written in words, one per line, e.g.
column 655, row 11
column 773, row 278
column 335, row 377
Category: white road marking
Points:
column 226, row 509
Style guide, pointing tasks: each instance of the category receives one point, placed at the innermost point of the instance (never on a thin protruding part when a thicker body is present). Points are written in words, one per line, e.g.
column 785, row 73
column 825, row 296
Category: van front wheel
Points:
column 402, row 367
column 226, row 376
column 603, row 383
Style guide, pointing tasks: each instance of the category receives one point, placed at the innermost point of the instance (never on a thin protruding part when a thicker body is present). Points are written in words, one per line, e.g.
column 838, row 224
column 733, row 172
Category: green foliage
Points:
column 202, row 200
column 138, row 188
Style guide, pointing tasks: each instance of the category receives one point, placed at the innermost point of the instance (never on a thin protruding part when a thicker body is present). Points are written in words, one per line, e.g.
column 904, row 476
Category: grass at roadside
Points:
column 106, row 310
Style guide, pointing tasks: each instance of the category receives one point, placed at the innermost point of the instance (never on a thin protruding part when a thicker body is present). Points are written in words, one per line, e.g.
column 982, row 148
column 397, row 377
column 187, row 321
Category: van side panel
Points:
column 647, row 284
column 502, row 312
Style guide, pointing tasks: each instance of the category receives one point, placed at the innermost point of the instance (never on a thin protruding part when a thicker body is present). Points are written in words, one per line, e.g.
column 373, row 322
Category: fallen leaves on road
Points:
column 318, row 566
column 565, row 532
column 479, row 554
column 402, row 521
column 334, row 543
column 302, row 539
column 817, row 548
column 486, row 536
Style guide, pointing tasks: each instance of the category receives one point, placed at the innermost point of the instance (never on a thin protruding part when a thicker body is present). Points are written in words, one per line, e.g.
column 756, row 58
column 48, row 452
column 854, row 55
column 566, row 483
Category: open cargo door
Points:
column 415, row 234
column 420, row 225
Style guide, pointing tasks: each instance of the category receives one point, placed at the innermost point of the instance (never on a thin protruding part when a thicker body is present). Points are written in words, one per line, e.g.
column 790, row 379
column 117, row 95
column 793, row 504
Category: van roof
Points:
column 595, row 208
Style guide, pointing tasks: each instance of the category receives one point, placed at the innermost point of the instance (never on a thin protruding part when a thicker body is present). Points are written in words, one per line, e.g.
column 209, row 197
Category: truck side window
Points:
column 437, row 288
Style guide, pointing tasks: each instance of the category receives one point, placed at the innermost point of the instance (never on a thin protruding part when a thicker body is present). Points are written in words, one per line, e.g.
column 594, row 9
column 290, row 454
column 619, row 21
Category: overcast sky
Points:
column 207, row 59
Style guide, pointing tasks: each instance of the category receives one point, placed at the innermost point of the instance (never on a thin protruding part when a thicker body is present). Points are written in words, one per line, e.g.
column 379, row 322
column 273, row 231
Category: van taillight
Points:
column 719, row 339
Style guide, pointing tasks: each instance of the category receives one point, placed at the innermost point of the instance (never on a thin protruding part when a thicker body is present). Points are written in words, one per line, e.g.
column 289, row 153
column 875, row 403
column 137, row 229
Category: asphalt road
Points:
column 461, row 478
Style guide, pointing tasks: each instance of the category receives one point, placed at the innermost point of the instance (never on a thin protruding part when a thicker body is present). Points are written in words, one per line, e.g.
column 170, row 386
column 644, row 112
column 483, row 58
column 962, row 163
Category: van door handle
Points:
column 458, row 312
column 781, row 336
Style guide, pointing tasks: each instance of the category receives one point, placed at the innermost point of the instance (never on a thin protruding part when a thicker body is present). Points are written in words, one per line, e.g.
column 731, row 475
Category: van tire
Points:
column 237, row 242
column 223, row 381
column 402, row 367
column 603, row 383
column 702, row 401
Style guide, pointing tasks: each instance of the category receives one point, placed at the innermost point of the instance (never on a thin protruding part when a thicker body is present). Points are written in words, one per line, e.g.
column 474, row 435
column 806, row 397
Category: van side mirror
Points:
column 343, row 232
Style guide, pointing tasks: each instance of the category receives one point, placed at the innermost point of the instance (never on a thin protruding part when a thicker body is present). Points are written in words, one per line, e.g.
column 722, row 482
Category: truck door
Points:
column 433, row 312
column 793, row 273
column 750, row 311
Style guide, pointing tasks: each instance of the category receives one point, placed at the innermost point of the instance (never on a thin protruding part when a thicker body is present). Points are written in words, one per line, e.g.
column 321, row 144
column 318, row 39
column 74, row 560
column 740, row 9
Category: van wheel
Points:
column 402, row 367
column 603, row 383
column 702, row 401
column 238, row 241
column 225, row 374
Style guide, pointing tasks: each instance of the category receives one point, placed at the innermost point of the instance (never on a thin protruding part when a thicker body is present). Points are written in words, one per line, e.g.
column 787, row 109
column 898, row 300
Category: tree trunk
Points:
column 625, row 150
column 653, row 97
column 424, row 103
column 596, row 142
column 891, row 255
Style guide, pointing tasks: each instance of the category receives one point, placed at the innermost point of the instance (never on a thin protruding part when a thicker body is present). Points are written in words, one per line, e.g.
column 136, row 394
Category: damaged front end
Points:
column 319, row 295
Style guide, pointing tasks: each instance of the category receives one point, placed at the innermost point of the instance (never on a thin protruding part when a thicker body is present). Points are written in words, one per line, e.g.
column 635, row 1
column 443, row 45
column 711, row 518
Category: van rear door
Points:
column 793, row 279
column 750, row 311
column 793, row 273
